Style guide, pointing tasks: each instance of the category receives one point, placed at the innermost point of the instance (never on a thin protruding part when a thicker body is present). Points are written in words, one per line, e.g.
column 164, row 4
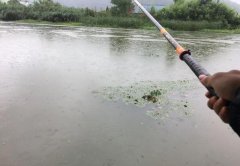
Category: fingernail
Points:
column 202, row 77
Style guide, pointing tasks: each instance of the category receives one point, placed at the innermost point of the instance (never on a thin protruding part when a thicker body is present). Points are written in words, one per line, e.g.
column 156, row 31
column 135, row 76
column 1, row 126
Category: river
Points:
column 55, row 108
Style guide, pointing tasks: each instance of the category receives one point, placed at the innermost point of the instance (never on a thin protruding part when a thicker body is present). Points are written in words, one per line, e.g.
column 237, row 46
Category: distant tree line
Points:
column 199, row 10
column 46, row 10
column 122, row 13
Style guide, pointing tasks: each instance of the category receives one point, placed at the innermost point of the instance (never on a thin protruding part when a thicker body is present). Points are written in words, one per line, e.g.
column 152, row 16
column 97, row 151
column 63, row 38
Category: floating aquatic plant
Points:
column 165, row 97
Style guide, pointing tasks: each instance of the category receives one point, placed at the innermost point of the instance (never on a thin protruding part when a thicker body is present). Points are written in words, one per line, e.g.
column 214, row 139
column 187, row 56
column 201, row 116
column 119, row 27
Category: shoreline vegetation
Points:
column 150, row 27
column 184, row 15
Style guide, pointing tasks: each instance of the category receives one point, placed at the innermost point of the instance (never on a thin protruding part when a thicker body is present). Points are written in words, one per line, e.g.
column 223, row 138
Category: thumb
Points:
column 204, row 80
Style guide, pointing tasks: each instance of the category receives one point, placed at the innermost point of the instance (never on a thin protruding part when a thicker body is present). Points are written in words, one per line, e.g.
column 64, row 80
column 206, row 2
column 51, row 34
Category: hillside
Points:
column 102, row 4
column 232, row 5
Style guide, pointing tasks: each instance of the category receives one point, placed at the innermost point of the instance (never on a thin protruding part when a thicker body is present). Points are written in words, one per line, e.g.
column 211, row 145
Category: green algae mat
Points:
column 164, row 98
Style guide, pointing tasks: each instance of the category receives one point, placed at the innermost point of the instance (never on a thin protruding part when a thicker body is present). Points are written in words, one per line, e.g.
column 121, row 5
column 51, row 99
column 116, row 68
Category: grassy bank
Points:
column 39, row 22
column 114, row 22
column 192, row 25
column 232, row 31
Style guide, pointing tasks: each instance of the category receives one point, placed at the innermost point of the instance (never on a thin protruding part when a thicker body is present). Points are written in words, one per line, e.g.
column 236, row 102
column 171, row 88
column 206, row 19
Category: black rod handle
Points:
column 197, row 69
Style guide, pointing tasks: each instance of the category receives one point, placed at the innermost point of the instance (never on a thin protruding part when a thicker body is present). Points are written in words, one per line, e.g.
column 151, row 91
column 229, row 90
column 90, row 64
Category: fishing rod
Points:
column 185, row 55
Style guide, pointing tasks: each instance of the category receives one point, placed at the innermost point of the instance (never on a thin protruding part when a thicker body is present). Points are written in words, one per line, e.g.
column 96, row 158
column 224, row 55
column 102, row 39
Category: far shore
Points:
column 78, row 24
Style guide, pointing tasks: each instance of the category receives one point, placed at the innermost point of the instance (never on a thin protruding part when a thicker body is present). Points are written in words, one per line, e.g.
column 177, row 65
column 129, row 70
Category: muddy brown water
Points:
column 50, row 115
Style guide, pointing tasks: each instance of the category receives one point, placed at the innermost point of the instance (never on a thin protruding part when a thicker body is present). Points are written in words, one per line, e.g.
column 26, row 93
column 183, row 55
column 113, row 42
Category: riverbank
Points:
column 173, row 25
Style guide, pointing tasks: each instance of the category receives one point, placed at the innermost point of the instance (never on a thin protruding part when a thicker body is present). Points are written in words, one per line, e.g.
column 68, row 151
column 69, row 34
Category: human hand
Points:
column 225, row 86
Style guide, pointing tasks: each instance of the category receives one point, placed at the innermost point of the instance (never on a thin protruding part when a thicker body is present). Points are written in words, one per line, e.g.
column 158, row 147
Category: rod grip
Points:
column 194, row 66
column 197, row 69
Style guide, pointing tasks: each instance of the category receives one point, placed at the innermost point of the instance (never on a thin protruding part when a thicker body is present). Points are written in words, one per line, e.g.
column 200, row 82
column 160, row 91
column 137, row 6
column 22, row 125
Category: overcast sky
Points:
column 86, row 3
column 104, row 3
column 237, row 1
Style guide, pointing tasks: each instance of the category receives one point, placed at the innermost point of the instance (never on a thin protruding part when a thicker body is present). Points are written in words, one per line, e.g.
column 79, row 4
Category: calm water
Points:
column 49, row 115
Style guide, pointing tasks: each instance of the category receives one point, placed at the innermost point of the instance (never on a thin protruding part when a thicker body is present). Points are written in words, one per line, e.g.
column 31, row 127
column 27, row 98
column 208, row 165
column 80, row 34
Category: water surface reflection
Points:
column 49, row 114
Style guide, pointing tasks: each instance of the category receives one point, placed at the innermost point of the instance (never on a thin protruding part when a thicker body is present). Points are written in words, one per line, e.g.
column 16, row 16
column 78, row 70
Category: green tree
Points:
column 122, row 7
column 89, row 12
column 46, row 5
column 153, row 11
column 13, row 2
column 178, row 1
column 205, row 1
